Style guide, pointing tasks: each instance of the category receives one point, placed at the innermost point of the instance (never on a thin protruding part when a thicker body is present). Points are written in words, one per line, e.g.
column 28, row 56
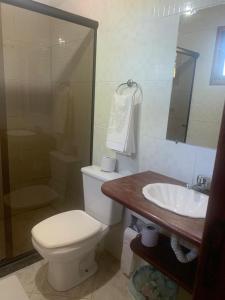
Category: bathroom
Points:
column 135, row 40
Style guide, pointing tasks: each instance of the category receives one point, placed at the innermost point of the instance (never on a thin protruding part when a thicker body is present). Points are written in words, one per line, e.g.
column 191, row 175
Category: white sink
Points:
column 178, row 199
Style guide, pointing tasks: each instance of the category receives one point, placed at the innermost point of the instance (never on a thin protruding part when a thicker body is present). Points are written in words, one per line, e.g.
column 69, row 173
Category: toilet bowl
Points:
column 70, row 253
column 68, row 240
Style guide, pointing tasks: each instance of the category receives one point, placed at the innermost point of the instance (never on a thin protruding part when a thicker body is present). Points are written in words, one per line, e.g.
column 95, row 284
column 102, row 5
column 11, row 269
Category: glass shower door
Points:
column 48, row 79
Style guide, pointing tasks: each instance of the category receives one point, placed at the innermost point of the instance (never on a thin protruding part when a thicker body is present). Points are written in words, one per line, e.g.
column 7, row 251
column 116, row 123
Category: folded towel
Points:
column 120, row 136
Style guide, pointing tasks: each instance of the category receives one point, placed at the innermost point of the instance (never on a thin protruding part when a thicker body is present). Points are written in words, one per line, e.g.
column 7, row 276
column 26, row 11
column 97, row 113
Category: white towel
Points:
column 120, row 136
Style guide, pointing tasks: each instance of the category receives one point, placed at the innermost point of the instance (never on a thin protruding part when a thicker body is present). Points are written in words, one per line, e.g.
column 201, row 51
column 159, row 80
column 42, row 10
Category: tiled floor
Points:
column 107, row 284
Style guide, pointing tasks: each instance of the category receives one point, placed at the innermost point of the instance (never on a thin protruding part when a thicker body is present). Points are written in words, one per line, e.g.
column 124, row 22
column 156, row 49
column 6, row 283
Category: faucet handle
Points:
column 188, row 186
column 203, row 181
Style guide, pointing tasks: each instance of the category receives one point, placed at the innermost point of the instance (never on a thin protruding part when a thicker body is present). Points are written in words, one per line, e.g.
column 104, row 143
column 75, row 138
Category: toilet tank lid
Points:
column 95, row 171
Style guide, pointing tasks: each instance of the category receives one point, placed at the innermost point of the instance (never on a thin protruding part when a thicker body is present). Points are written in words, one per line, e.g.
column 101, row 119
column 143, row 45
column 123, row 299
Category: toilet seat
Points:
column 65, row 230
column 67, row 253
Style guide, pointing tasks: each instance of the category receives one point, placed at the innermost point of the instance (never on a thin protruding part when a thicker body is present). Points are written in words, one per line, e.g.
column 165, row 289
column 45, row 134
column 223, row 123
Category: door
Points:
column 181, row 96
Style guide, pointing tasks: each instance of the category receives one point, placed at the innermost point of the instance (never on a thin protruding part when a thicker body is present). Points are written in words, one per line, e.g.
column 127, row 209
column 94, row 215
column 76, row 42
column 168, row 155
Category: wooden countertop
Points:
column 128, row 192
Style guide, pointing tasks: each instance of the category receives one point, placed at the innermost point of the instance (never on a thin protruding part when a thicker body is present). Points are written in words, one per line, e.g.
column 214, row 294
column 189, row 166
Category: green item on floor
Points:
column 147, row 283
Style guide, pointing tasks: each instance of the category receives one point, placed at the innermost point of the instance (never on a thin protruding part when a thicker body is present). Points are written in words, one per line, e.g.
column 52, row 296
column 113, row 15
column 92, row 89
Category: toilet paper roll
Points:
column 128, row 258
column 108, row 164
column 149, row 236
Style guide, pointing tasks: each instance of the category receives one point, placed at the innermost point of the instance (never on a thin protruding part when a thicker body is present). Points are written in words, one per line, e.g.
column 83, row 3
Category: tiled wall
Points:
column 180, row 161
column 132, row 43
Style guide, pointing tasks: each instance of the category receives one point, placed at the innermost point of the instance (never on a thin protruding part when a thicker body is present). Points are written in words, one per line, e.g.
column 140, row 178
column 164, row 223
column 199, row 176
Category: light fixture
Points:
column 189, row 11
column 61, row 41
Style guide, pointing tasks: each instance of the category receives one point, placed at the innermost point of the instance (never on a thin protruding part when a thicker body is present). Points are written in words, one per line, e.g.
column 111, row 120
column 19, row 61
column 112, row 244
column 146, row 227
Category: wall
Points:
column 132, row 43
column 198, row 33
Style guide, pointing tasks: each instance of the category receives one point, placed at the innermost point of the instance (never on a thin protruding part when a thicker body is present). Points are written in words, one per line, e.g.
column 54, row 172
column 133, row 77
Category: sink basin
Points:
column 178, row 199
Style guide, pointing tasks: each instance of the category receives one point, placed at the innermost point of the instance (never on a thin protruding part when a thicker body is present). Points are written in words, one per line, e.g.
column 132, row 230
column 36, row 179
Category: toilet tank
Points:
column 96, row 204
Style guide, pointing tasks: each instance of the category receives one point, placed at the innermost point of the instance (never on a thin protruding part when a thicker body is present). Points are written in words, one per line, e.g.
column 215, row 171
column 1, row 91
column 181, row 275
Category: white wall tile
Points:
column 104, row 93
column 168, row 158
column 181, row 161
column 99, row 147
column 205, row 159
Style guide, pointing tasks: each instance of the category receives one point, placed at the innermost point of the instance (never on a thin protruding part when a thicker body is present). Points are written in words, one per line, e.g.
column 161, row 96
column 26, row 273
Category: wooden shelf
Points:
column 163, row 258
column 128, row 192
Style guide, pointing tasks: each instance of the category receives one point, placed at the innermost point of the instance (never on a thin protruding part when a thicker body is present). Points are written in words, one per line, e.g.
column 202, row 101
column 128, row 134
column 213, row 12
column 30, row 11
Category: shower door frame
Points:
column 4, row 163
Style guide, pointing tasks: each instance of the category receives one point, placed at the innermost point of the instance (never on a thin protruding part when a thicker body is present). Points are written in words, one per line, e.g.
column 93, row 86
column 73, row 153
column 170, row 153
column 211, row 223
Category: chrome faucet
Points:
column 202, row 184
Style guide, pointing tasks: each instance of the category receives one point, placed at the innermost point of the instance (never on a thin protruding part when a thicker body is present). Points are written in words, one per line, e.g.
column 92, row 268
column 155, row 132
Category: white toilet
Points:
column 68, row 240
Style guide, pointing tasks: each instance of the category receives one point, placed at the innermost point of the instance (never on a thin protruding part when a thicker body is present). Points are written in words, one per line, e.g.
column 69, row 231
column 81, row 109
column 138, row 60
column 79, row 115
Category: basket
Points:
column 147, row 283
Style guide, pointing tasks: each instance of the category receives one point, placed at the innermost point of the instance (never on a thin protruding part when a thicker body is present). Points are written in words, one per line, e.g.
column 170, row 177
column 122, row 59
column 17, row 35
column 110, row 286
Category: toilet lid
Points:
column 65, row 229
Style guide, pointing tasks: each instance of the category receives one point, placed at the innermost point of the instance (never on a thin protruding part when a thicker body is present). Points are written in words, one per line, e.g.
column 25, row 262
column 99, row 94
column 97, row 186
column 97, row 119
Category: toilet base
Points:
column 66, row 275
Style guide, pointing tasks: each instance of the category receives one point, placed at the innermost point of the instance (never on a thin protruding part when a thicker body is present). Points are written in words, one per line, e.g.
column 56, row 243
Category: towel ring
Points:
column 130, row 83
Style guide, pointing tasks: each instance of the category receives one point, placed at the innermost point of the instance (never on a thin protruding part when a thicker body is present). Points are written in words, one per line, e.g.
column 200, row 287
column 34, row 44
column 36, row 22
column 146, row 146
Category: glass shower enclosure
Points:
column 47, row 69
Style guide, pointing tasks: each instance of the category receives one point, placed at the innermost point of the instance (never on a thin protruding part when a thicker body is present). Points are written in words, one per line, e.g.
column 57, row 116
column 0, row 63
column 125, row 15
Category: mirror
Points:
column 198, row 90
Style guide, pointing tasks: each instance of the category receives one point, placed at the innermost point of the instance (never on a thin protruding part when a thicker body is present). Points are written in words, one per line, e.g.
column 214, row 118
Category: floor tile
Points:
column 41, row 285
column 114, row 288
column 27, row 276
column 107, row 284
column 11, row 288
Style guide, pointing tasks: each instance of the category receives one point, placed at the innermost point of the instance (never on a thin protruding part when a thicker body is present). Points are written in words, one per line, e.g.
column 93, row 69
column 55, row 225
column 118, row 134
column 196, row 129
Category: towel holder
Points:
column 130, row 83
